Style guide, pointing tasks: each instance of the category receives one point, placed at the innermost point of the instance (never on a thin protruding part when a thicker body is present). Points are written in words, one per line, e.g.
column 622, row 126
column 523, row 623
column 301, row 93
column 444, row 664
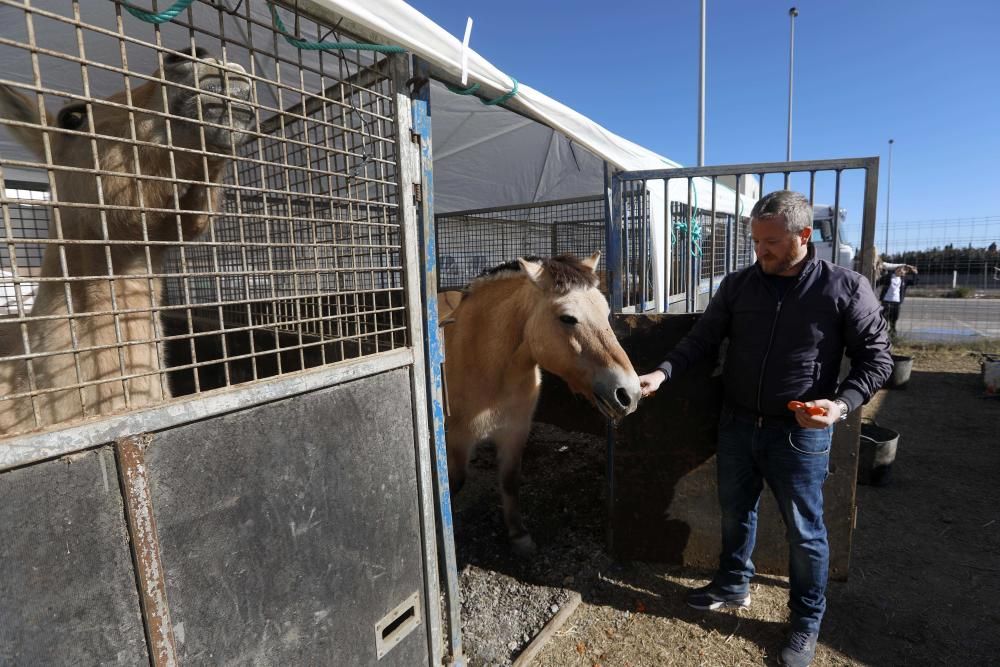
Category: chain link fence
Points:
column 954, row 293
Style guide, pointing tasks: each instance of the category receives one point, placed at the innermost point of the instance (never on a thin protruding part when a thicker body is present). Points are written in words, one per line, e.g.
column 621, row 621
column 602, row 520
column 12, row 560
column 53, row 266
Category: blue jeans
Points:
column 794, row 462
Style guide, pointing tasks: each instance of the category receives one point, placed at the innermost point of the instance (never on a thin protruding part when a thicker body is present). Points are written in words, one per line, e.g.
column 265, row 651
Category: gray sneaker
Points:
column 711, row 597
column 799, row 650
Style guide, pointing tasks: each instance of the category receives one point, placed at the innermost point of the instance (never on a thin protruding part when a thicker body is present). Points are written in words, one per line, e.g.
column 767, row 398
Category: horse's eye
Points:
column 567, row 319
column 72, row 117
column 183, row 55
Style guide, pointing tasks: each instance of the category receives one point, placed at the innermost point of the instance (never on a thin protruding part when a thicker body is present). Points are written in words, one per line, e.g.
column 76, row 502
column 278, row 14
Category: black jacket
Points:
column 792, row 349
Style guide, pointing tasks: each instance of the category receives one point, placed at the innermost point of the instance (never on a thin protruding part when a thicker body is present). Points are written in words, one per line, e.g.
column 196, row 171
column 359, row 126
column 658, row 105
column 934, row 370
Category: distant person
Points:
column 894, row 282
column 789, row 319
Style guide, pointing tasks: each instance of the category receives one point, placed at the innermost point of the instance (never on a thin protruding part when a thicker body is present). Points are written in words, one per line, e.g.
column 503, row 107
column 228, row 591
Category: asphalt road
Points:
column 928, row 319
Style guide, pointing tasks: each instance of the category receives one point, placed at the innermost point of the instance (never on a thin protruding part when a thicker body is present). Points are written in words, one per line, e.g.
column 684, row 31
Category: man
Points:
column 789, row 319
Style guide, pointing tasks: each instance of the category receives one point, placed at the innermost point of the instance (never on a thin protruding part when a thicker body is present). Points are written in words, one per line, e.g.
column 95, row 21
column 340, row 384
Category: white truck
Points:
column 823, row 239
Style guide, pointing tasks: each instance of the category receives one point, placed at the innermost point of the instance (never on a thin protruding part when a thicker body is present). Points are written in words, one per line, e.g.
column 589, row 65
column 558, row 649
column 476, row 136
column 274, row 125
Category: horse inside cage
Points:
column 189, row 205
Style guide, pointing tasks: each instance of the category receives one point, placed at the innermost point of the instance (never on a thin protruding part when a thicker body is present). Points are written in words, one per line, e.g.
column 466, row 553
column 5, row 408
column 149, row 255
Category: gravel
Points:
column 507, row 600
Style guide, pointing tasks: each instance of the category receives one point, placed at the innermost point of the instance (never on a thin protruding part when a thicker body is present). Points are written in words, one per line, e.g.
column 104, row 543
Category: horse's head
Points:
column 569, row 333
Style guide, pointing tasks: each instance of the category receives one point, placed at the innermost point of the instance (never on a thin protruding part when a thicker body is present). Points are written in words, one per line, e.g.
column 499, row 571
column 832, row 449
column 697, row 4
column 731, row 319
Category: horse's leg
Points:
column 460, row 443
column 510, row 448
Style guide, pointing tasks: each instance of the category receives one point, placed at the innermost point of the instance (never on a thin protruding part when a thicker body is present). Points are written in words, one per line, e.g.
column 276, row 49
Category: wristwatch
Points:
column 844, row 409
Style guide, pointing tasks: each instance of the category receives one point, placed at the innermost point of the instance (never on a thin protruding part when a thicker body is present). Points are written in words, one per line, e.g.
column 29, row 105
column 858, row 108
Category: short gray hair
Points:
column 792, row 206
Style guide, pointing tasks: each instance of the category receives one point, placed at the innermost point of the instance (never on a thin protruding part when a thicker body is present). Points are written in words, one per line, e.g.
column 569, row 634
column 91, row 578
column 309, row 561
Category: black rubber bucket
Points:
column 901, row 368
column 878, row 452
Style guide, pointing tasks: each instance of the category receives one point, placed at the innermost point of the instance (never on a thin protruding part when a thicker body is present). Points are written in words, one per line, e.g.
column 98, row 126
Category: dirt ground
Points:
column 925, row 566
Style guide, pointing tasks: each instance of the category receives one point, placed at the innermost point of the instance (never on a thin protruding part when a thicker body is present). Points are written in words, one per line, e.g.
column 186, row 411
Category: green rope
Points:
column 503, row 98
column 692, row 228
column 695, row 232
column 471, row 90
column 326, row 46
column 162, row 17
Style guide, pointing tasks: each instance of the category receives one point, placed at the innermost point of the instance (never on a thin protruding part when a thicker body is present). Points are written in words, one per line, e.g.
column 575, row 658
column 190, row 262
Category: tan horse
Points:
column 115, row 358
column 516, row 318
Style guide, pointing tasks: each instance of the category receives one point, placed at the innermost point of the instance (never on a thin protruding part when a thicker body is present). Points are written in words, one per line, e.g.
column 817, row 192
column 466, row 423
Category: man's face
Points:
column 778, row 250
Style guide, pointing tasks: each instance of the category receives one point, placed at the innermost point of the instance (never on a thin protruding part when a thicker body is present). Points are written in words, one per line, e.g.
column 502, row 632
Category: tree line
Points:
column 947, row 258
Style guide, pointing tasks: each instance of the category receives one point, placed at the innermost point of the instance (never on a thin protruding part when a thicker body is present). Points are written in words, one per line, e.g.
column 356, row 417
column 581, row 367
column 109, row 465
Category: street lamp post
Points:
column 888, row 194
column 792, row 13
column 701, row 92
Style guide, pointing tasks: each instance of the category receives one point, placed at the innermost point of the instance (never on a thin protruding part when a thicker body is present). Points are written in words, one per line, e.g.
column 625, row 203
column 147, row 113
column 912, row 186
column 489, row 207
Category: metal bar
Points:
column 835, row 223
column 692, row 264
column 614, row 240
column 711, row 266
column 792, row 13
column 732, row 229
column 754, row 167
column 16, row 451
column 145, row 547
column 668, row 249
column 434, row 355
column 701, row 89
column 648, row 255
column 868, row 221
column 416, row 284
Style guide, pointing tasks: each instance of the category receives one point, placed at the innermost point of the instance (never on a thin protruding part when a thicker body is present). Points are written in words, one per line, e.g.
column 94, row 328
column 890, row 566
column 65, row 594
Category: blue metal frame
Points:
column 421, row 104
column 613, row 237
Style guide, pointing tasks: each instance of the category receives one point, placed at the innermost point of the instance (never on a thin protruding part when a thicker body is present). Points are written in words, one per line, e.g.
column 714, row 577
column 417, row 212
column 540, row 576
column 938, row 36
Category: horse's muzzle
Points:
column 617, row 394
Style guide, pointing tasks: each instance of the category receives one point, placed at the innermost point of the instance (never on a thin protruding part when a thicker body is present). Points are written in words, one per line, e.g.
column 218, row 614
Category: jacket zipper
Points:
column 763, row 364
column 770, row 341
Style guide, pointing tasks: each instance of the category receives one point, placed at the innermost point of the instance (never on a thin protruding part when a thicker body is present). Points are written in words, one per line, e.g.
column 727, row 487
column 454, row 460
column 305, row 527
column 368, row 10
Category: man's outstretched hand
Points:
column 650, row 382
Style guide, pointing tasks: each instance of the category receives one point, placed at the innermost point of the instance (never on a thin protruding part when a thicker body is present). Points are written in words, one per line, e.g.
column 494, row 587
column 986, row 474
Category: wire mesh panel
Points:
column 637, row 273
column 27, row 221
column 945, row 277
column 723, row 240
column 188, row 205
column 470, row 241
column 707, row 223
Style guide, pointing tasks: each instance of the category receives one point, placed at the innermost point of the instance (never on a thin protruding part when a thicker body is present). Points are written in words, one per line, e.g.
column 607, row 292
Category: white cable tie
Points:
column 465, row 52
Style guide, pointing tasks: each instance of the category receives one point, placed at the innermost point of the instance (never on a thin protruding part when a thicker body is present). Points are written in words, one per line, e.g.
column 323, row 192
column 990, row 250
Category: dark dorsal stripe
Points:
column 565, row 271
column 513, row 266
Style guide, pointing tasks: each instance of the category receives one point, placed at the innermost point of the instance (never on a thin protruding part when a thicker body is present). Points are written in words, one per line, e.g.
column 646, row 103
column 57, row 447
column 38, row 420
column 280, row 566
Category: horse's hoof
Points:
column 523, row 545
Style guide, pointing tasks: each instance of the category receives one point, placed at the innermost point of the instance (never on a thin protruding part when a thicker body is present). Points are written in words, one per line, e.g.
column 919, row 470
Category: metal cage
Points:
column 211, row 282
column 702, row 242
column 470, row 241
column 210, row 205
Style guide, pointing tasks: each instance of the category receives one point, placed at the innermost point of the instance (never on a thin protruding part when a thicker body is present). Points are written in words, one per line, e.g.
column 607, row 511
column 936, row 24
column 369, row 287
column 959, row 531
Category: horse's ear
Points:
column 532, row 270
column 17, row 106
column 591, row 262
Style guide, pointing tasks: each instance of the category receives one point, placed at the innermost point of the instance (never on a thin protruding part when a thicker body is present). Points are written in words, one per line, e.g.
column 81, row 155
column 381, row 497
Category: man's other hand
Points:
column 807, row 420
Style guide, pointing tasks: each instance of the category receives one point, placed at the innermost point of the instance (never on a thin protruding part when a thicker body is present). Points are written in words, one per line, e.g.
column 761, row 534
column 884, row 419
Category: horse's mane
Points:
column 566, row 272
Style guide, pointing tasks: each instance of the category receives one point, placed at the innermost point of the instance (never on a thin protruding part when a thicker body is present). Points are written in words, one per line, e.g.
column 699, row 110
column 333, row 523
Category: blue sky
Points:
column 926, row 74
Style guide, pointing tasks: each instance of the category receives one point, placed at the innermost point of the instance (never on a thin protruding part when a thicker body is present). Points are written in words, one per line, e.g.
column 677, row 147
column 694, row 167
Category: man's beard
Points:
column 782, row 264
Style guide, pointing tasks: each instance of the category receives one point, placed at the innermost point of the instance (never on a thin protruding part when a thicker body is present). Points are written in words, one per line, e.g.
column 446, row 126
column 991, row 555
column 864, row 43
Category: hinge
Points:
column 418, row 195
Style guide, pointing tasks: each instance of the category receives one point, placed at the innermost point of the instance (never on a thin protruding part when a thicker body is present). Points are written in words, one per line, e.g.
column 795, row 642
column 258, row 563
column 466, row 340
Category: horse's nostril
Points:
column 623, row 398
